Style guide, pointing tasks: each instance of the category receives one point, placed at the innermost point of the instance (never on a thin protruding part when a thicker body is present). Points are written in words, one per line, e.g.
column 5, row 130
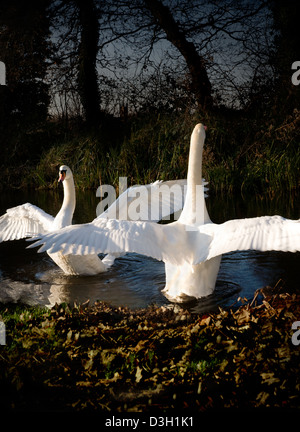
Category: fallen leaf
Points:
column 262, row 397
column 138, row 375
column 230, row 346
column 243, row 316
column 140, row 345
column 268, row 378
column 205, row 321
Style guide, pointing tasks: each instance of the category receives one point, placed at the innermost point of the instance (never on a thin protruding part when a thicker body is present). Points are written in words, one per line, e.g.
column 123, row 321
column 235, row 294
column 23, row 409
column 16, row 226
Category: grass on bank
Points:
column 104, row 358
column 241, row 153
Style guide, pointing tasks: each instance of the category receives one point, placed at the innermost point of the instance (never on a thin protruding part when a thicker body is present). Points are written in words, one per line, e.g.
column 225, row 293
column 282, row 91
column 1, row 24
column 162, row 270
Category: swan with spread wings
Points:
column 190, row 247
column 27, row 219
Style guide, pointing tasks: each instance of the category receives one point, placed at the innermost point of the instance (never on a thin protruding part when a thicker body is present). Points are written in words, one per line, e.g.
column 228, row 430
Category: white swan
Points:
column 190, row 247
column 29, row 220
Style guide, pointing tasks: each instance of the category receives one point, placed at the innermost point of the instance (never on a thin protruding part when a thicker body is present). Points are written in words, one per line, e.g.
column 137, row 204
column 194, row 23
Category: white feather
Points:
column 190, row 247
column 261, row 233
column 28, row 220
column 152, row 202
column 23, row 221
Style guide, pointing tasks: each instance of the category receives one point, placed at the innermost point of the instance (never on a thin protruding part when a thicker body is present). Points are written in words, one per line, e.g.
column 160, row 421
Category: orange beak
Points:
column 62, row 176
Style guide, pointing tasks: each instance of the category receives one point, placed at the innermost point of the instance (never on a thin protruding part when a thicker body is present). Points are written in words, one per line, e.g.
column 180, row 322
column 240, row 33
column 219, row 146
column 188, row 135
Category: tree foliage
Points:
column 101, row 55
column 25, row 48
column 89, row 61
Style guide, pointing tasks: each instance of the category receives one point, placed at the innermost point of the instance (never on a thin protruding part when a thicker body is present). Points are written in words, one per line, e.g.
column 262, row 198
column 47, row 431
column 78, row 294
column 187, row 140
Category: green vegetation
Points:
column 240, row 154
column 104, row 358
column 62, row 104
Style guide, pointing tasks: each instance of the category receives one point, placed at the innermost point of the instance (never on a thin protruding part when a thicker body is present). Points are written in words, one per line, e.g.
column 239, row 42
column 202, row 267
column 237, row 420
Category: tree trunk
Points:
column 88, row 49
column 200, row 82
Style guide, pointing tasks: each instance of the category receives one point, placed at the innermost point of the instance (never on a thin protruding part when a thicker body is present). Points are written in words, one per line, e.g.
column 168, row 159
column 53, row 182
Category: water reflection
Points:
column 136, row 281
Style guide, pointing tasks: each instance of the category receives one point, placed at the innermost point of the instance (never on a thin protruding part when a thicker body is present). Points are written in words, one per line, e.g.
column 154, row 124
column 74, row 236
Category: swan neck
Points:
column 69, row 201
column 194, row 210
column 194, row 176
column 65, row 215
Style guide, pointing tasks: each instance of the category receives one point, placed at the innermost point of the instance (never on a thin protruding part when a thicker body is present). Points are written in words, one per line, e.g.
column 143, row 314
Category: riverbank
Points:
column 245, row 152
column 102, row 358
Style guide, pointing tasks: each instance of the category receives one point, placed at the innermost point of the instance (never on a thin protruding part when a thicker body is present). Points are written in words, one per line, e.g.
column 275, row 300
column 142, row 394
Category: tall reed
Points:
column 239, row 154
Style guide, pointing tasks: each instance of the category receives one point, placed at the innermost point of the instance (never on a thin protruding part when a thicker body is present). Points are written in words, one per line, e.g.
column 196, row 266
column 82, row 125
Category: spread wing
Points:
column 175, row 243
column 152, row 202
column 23, row 221
column 168, row 242
column 262, row 233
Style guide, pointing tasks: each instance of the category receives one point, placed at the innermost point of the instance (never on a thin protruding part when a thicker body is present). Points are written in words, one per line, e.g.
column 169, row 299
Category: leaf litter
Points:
column 106, row 358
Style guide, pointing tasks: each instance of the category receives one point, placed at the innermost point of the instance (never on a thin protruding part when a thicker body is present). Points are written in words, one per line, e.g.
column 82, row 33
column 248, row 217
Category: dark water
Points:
column 136, row 281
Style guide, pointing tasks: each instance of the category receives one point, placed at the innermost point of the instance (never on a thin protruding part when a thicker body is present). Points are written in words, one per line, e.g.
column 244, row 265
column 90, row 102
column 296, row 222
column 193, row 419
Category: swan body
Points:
column 190, row 247
column 29, row 220
column 91, row 264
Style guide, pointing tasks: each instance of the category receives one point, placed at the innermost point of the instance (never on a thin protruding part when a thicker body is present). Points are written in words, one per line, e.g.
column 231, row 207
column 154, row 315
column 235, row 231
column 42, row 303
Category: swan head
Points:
column 65, row 173
column 200, row 129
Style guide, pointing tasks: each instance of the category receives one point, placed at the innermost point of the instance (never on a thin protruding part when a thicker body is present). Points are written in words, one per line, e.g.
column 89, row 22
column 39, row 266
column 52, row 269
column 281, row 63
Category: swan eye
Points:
column 62, row 175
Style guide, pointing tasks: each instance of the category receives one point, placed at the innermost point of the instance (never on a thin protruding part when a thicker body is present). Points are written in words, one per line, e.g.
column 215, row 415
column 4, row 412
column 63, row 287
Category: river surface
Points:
column 136, row 281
